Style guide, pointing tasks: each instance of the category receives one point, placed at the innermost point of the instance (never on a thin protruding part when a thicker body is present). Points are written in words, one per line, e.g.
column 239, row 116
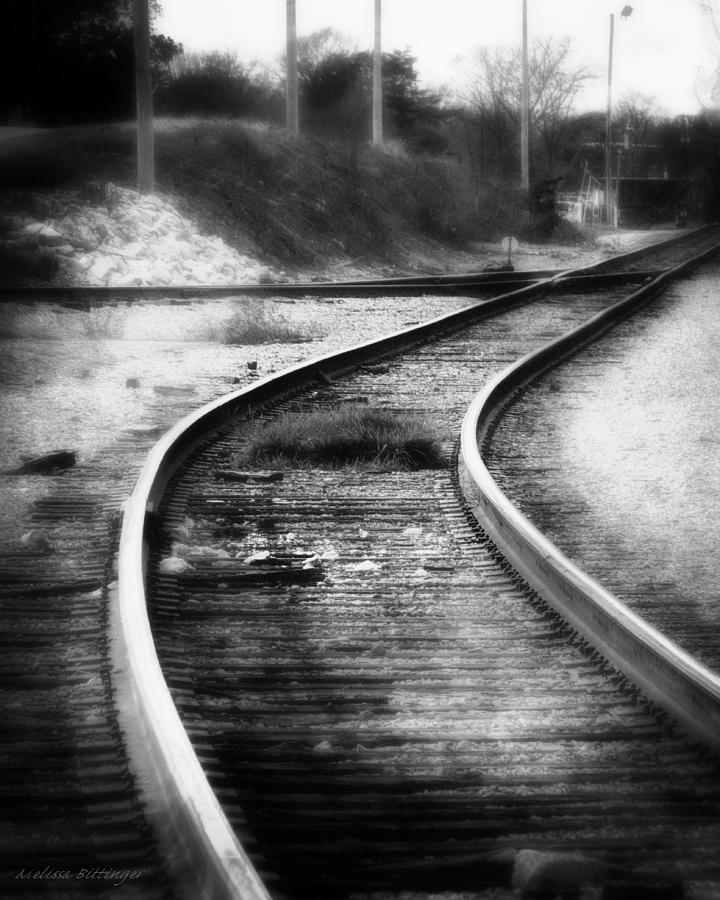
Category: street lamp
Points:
column 610, row 206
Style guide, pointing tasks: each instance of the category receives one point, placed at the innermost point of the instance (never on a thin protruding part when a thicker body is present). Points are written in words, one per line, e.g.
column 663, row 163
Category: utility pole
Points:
column 377, row 106
column 609, row 215
column 291, row 75
column 525, row 107
column 143, row 90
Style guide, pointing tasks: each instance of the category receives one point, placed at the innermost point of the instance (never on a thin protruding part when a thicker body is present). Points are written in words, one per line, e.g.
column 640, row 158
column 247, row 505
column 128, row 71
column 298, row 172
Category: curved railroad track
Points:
column 74, row 819
column 383, row 705
column 525, row 435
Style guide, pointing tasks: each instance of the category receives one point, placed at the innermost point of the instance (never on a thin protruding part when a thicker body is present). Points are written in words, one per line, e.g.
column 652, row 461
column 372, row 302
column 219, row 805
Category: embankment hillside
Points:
column 305, row 206
column 239, row 201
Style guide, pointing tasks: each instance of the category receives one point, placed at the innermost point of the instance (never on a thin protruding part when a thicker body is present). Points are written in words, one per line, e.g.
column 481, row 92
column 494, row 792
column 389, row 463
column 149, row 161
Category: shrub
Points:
column 101, row 323
column 212, row 84
column 256, row 322
column 20, row 265
column 38, row 323
column 543, row 206
column 35, row 168
column 500, row 211
column 54, row 323
column 348, row 434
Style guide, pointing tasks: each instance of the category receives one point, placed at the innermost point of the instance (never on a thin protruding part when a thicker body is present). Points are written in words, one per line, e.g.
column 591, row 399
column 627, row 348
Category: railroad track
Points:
column 384, row 705
column 471, row 284
column 484, row 282
column 521, row 441
column 72, row 811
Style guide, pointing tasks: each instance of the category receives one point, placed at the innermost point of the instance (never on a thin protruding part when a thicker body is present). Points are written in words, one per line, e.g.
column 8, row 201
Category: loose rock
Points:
column 173, row 565
column 181, row 532
column 120, row 238
column 323, row 748
column 367, row 565
column 44, row 465
column 144, row 430
column 232, row 475
column 260, row 556
column 538, row 873
column 263, row 477
column 36, row 541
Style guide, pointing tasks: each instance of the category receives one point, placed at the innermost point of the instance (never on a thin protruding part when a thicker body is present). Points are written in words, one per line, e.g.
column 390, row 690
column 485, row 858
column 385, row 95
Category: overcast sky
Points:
column 667, row 49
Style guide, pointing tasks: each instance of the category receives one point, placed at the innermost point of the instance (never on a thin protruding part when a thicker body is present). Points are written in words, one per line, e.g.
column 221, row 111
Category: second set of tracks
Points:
column 379, row 702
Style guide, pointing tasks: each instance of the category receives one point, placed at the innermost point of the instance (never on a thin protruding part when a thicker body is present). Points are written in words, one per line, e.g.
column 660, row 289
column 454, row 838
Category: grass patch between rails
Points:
column 347, row 435
column 256, row 322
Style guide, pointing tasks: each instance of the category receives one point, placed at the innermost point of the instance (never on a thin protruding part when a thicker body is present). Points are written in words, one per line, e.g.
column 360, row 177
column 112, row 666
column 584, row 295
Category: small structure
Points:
column 645, row 201
column 643, row 191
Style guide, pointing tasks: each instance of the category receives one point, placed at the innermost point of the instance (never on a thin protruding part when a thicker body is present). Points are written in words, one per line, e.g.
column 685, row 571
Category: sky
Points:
column 667, row 49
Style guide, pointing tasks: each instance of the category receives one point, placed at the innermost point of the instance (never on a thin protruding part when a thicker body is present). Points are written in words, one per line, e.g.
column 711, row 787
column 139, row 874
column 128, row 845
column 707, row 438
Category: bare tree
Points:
column 494, row 90
column 636, row 114
column 554, row 89
column 314, row 48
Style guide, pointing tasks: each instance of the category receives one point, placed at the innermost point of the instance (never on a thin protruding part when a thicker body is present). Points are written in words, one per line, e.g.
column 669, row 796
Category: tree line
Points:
column 72, row 62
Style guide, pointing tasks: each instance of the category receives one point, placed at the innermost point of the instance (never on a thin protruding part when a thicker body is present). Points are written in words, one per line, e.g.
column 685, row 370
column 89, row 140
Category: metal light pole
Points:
column 291, row 73
column 610, row 201
column 525, row 107
column 377, row 104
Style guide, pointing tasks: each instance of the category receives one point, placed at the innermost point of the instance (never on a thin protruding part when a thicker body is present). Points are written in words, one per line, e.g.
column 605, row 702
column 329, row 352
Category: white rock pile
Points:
column 133, row 239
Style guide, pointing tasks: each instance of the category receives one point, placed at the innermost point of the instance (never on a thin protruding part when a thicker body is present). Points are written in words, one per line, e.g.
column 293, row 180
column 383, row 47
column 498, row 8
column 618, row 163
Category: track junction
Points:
column 407, row 714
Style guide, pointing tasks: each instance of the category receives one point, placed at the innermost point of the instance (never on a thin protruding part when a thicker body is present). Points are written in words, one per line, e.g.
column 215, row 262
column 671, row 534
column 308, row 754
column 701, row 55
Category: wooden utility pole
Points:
column 377, row 105
column 525, row 107
column 143, row 90
column 291, row 74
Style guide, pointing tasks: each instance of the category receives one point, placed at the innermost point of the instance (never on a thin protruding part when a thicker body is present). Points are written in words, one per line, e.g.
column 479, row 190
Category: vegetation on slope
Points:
column 293, row 203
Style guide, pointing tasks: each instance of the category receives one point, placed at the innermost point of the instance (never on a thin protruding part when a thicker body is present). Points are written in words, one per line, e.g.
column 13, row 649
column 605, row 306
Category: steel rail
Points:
column 460, row 285
column 420, row 283
column 685, row 688
column 159, row 745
